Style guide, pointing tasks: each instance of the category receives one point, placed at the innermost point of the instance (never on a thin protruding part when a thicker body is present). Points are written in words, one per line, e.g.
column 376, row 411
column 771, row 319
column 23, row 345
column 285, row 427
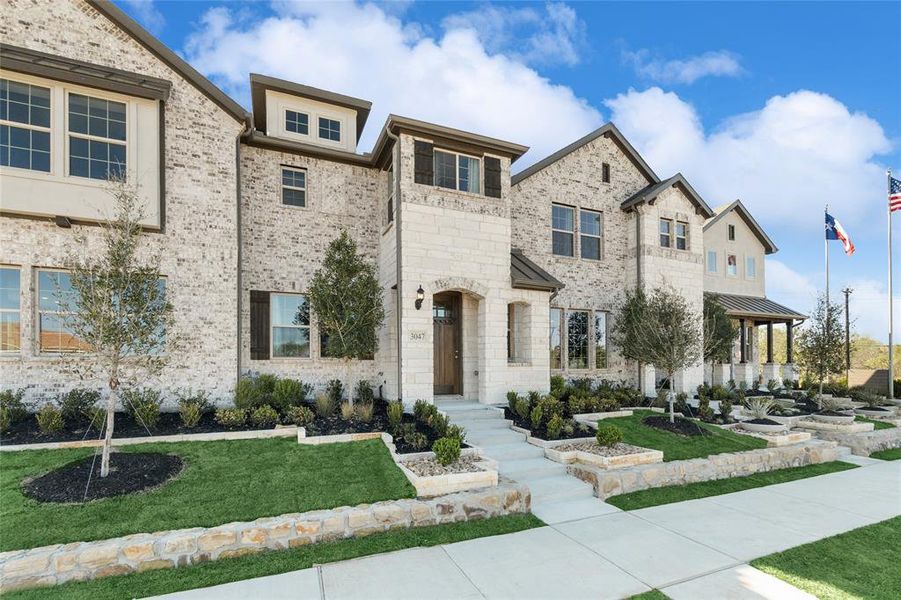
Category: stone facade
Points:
column 51, row 565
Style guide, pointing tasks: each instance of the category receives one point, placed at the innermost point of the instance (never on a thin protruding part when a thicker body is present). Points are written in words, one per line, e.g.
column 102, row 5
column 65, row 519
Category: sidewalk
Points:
column 693, row 550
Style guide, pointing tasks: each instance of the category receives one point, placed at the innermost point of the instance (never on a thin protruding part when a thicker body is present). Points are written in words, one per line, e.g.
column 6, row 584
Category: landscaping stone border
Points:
column 51, row 565
column 864, row 444
column 820, row 426
column 548, row 443
column 717, row 466
column 591, row 418
column 622, row 461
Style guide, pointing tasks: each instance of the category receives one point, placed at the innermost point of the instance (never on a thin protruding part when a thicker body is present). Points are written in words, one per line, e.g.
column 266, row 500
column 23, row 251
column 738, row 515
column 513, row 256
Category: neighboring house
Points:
column 491, row 283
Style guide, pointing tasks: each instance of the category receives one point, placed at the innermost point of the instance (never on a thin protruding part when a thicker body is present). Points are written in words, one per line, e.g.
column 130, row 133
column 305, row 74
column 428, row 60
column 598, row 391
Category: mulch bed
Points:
column 679, row 426
column 579, row 430
column 763, row 422
column 130, row 472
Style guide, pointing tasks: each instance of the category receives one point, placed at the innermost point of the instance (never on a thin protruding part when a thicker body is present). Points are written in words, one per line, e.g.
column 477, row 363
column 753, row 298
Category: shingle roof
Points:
column 751, row 306
column 745, row 214
column 527, row 275
column 650, row 193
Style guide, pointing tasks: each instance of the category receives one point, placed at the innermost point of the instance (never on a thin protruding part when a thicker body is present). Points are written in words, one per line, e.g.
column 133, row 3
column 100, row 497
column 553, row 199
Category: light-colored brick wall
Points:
column 199, row 245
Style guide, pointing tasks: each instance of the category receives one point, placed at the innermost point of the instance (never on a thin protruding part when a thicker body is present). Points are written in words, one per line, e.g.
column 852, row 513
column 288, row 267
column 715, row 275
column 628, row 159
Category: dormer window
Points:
column 329, row 129
column 457, row 171
column 297, row 122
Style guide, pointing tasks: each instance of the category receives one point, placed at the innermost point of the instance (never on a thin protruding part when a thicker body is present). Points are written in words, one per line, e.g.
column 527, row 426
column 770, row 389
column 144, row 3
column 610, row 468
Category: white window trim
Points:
column 671, row 233
column 340, row 122
column 31, row 127
column 588, row 359
column 573, row 232
column 457, row 156
column 677, row 237
column 38, row 312
column 599, row 238
column 272, row 327
column 129, row 118
column 750, row 260
column 594, row 339
column 283, row 186
column 715, row 269
column 285, row 111
column 17, row 310
column 726, row 265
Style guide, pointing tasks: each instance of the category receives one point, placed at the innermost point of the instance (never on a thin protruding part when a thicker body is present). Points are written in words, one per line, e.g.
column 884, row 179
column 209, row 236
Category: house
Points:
column 491, row 282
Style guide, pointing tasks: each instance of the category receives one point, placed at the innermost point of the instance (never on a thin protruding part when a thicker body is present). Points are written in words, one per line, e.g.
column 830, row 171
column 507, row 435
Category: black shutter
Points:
column 492, row 177
column 423, row 166
column 605, row 173
column 259, row 325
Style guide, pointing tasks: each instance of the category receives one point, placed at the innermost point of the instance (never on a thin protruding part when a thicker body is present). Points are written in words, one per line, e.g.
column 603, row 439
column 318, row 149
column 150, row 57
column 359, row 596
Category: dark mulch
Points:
column 679, row 426
column 763, row 422
column 130, row 472
column 876, row 409
column 834, row 413
column 579, row 430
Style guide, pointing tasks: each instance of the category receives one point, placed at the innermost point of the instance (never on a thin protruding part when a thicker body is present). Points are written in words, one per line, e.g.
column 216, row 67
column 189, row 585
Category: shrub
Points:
column 417, row 440
column 395, row 413
column 266, row 386
column 705, row 413
column 772, row 386
column 726, row 409
column 335, row 390
column 512, row 398
column 289, row 392
column 325, row 406
column 143, row 406
column 264, row 416
column 868, row 398
column 523, row 409
column 439, row 423
column 363, row 392
column 76, row 404
column 403, row 431
column 347, row 410
column 231, row 418
column 607, row 405
column 455, row 431
column 300, row 415
column 558, row 385
column 365, row 410
column 247, row 394
column 536, row 417
column 788, row 383
column 718, row 393
column 608, row 435
column 831, row 404
column 192, row 406
column 50, row 419
column 533, row 397
column 759, row 408
column 447, row 450
column 554, row 427
column 681, row 404
column 421, row 410
column 704, row 390
column 12, row 409
column 97, row 417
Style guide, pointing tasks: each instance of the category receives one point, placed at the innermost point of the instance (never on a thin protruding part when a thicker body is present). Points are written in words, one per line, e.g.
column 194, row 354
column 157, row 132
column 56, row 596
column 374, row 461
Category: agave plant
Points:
column 832, row 404
column 759, row 407
column 871, row 400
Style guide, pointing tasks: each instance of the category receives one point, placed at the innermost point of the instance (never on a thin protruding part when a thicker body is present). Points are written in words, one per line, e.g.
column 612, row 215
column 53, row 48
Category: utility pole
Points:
column 847, row 293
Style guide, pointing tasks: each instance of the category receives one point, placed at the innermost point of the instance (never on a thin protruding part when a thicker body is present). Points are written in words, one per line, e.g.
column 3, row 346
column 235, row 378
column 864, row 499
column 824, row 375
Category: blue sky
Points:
column 784, row 105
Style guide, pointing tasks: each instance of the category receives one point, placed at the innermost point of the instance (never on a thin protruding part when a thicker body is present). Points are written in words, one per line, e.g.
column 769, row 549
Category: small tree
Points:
column 117, row 307
column 659, row 329
column 719, row 332
column 346, row 298
column 821, row 351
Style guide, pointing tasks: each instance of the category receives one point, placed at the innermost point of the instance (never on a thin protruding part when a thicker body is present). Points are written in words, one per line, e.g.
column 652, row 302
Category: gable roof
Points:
column 650, row 193
column 745, row 214
column 527, row 275
column 608, row 130
column 175, row 62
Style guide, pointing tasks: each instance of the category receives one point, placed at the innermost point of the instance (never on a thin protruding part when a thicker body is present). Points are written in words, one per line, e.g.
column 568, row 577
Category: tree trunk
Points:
column 672, row 397
column 110, row 419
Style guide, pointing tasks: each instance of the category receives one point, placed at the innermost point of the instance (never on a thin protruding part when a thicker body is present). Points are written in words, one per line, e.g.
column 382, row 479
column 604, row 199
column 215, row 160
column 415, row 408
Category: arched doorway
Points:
column 447, row 343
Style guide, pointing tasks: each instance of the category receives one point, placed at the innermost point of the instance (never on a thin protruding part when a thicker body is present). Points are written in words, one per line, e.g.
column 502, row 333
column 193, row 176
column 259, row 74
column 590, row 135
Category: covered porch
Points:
column 750, row 313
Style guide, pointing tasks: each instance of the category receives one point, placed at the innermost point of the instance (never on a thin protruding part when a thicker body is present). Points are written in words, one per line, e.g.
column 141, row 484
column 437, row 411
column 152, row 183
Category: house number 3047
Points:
column 417, row 335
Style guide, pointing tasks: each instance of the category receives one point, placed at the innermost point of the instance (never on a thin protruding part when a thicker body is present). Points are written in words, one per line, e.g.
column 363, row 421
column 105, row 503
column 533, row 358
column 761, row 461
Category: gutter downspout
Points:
column 398, row 304
column 638, row 285
column 248, row 127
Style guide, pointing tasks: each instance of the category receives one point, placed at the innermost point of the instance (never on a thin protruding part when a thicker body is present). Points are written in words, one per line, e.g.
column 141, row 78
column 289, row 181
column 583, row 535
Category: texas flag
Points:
column 835, row 231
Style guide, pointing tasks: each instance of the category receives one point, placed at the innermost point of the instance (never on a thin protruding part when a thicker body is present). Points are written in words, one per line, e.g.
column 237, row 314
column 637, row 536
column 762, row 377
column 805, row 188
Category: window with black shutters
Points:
column 605, row 173
column 259, row 325
column 423, row 162
column 492, row 176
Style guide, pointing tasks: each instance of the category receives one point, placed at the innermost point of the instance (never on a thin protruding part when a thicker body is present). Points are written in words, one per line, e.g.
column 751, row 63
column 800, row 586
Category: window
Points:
column 600, row 340
column 96, row 137
column 750, row 267
column 749, row 342
column 605, row 173
column 290, row 326
column 666, row 233
column 55, row 303
column 294, row 187
column 681, row 235
column 731, row 233
column 556, row 339
column 711, row 261
column 577, row 339
column 562, row 227
column 590, row 234
column 731, row 265
column 24, row 126
column 297, row 122
column 329, row 129
column 10, row 317
column 457, row 171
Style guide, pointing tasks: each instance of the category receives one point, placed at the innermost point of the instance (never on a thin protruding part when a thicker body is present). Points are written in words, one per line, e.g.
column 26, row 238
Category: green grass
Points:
column 691, row 491
column 862, row 563
column 876, row 424
column 223, row 481
column 650, row 595
column 891, row 454
column 681, row 447
column 166, row 581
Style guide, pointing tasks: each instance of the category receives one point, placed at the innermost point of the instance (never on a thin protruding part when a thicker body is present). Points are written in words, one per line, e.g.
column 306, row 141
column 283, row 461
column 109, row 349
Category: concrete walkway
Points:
column 693, row 550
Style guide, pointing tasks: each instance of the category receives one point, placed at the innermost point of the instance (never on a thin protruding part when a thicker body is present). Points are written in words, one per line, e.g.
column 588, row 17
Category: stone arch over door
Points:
column 458, row 284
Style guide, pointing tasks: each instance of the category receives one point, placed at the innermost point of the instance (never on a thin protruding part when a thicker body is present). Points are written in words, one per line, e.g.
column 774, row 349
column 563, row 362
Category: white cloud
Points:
column 719, row 63
column 147, row 14
column 363, row 51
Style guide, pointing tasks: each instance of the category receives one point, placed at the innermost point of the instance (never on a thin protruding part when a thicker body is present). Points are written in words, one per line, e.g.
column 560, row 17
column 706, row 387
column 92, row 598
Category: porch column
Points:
column 769, row 342
column 743, row 358
column 789, row 342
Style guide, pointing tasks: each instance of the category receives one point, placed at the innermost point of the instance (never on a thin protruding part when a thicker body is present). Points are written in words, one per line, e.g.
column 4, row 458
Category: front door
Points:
column 446, row 319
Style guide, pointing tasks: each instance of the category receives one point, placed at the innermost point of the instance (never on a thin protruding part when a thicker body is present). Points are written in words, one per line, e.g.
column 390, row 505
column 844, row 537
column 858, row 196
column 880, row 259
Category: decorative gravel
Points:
column 428, row 467
column 619, row 449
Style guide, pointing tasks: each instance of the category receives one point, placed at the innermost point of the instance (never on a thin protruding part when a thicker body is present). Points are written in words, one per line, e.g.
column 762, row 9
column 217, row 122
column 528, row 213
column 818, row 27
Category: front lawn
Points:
column 862, row 563
column 166, row 581
column 682, row 447
column 691, row 491
column 877, row 425
column 223, row 481
column 891, row 454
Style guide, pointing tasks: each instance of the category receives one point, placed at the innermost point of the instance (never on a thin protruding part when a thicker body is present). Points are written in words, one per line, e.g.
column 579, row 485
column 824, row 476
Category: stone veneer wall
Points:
column 199, row 244
column 717, row 466
column 864, row 444
column 51, row 565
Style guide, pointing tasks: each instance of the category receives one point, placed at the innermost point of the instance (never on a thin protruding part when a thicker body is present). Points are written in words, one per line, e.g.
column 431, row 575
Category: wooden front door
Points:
column 446, row 318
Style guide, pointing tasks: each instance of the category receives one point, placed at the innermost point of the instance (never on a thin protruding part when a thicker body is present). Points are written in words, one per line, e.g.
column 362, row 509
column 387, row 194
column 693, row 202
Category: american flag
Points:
column 894, row 194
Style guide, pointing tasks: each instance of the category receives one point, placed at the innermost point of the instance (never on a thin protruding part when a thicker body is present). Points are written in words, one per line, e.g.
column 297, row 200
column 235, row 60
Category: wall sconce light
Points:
column 420, row 296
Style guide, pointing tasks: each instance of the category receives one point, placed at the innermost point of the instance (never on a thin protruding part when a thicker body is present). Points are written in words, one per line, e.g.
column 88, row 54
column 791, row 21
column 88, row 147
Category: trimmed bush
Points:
column 300, row 415
column 12, row 409
column 76, row 405
column 447, row 450
column 325, row 406
column 50, row 419
column 334, row 389
column 536, row 417
column 512, row 399
column 264, row 416
column 554, row 427
column 288, row 393
column 365, row 410
column 455, row 431
column 395, row 413
column 363, row 392
column 143, row 406
column 421, row 410
column 192, row 406
column 608, row 435
column 523, row 409
column 558, row 385
column 247, row 394
column 231, row 418
column 266, row 385
column 725, row 409
column 417, row 440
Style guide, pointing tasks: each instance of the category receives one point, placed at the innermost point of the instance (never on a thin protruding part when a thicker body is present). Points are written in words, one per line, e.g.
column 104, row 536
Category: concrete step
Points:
column 454, row 407
column 557, row 488
column 511, row 451
column 573, row 509
column 530, row 468
column 496, row 438
column 483, row 424
column 477, row 414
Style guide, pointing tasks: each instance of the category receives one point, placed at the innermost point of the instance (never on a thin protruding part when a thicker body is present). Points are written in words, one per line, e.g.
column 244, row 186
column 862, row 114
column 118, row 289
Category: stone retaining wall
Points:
column 717, row 466
column 864, row 444
column 50, row 565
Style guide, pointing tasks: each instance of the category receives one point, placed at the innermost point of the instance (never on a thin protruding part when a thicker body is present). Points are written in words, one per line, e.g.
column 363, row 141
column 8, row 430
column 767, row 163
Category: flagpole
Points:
column 891, row 362
column 826, row 255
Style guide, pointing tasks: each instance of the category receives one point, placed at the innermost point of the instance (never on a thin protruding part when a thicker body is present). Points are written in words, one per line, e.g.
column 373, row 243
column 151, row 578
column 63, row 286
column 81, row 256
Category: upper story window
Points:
column 329, row 129
column 731, row 233
column 294, row 187
column 290, row 320
column 457, row 171
column 750, row 267
column 24, row 126
column 605, row 173
column 711, row 261
column 10, row 314
column 666, row 233
column 297, row 122
column 731, row 265
column 681, row 235
column 55, row 305
column 96, row 137
column 590, row 228
column 562, row 228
